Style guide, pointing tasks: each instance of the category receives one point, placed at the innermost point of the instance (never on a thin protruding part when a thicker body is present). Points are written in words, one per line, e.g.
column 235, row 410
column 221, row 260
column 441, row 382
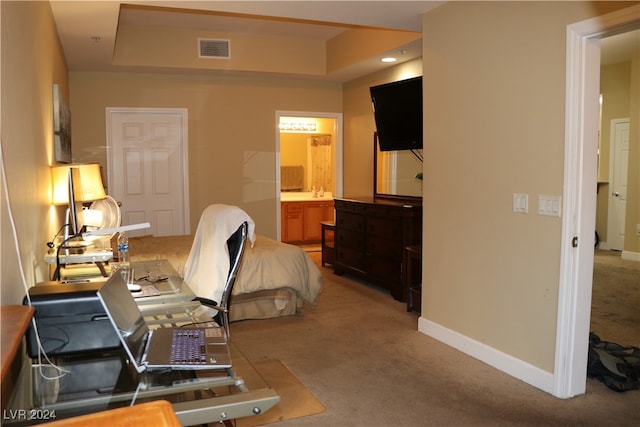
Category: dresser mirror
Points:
column 395, row 173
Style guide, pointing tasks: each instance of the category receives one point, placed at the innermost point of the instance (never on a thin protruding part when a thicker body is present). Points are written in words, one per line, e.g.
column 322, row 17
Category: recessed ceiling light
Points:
column 388, row 59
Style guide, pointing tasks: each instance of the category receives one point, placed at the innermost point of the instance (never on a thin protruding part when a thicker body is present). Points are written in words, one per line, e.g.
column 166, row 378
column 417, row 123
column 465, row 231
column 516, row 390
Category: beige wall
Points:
column 174, row 48
column 293, row 149
column 31, row 62
column 494, row 125
column 359, row 126
column 232, row 129
column 632, row 218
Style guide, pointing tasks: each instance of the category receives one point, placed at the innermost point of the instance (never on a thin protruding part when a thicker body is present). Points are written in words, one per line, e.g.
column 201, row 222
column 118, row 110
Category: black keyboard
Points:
column 188, row 347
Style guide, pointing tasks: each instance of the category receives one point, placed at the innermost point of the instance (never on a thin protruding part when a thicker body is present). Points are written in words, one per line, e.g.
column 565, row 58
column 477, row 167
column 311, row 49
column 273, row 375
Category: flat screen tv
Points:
column 397, row 110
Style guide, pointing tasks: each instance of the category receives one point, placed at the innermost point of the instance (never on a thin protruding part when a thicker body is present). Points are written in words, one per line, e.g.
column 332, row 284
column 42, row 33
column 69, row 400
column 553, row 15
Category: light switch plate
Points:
column 549, row 205
column 520, row 203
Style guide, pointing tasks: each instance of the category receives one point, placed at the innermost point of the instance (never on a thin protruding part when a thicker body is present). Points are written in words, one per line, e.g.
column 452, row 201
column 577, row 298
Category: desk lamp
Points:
column 74, row 184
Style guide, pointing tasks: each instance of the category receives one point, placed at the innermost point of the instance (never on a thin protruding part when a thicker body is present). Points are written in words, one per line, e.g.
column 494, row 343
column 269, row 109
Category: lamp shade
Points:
column 87, row 183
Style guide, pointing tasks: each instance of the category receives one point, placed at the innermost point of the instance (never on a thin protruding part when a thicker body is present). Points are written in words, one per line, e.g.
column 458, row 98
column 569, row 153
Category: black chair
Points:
column 236, row 244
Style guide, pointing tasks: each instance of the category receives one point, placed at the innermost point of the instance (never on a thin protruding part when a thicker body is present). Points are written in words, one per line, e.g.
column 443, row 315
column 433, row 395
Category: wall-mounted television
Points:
column 397, row 110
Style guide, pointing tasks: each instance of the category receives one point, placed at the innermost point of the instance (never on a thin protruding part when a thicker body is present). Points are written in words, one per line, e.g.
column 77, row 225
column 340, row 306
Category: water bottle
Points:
column 123, row 249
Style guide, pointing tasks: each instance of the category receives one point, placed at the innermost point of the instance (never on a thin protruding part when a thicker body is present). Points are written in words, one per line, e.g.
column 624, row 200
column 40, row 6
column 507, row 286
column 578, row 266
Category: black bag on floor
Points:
column 618, row 367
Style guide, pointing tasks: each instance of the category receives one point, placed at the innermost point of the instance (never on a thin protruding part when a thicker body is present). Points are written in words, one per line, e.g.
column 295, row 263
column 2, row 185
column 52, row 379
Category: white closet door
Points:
column 148, row 169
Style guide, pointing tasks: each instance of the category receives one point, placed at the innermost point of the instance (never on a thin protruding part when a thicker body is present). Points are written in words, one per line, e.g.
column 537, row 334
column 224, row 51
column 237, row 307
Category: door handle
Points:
column 616, row 194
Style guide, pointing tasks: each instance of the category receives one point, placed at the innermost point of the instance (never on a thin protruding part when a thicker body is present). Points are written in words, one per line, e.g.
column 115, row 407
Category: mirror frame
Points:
column 377, row 195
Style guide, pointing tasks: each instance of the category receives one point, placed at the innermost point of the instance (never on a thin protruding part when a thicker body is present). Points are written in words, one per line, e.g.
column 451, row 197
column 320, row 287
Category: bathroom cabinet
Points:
column 301, row 220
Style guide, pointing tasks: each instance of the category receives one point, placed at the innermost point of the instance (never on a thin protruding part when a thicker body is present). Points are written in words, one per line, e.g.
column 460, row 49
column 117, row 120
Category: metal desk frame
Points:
column 178, row 310
column 190, row 412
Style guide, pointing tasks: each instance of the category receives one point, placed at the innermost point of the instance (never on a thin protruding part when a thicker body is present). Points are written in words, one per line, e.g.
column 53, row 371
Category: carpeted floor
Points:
column 360, row 354
column 615, row 302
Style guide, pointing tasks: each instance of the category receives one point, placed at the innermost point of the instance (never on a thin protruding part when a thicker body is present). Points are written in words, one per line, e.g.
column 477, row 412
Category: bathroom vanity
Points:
column 301, row 215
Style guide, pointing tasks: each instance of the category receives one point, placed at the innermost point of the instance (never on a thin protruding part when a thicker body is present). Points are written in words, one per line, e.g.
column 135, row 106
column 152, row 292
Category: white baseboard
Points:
column 631, row 256
column 628, row 255
column 517, row 368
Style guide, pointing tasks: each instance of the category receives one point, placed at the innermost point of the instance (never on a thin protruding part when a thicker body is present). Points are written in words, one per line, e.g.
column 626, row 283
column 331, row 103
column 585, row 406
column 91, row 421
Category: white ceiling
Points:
column 88, row 29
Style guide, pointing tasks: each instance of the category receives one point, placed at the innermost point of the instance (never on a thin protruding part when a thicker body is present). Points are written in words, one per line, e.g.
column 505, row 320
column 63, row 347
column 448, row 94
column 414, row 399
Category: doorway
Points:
column 147, row 170
column 579, row 203
column 319, row 136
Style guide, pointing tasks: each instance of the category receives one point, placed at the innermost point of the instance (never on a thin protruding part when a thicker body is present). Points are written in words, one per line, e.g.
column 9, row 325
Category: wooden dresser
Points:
column 371, row 234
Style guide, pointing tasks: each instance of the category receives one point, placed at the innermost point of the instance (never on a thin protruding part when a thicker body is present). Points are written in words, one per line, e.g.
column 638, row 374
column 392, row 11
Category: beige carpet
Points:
column 360, row 353
column 615, row 302
column 295, row 400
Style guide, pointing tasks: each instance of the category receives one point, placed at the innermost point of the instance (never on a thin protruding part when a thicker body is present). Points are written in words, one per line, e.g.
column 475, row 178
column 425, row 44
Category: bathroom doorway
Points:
column 309, row 158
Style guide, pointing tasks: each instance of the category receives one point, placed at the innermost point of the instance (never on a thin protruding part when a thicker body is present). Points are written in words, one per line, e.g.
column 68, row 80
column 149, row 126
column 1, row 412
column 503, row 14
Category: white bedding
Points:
column 273, row 265
column 275, row 275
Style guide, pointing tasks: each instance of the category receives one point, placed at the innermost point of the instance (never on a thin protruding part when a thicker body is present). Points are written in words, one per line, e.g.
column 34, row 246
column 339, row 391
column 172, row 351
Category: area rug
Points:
column 295, row 400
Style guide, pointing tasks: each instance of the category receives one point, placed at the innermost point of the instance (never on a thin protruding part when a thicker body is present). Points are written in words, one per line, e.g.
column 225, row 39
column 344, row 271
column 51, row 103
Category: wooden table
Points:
column 14, row 320
column 158, row 413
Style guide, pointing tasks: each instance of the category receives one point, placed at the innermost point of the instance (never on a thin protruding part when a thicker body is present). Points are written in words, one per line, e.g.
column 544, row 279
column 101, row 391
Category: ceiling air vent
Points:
column 214, row 48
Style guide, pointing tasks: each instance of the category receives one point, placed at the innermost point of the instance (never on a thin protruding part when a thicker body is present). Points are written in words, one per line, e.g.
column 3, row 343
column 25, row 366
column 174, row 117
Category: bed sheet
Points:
column 268, row 265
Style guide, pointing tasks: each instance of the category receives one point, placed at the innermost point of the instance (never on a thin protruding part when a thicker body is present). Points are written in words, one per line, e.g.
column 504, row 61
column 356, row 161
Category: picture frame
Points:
column 61, row 127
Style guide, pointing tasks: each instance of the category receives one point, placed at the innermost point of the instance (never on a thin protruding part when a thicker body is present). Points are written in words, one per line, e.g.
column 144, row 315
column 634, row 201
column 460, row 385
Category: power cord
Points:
column 63, row 245
column 41, row 352
column 52, row 244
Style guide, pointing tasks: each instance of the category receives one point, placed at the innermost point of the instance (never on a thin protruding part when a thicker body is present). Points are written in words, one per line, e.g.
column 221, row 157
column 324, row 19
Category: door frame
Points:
column 579, row 201
column 337, row 157
column 183, row 113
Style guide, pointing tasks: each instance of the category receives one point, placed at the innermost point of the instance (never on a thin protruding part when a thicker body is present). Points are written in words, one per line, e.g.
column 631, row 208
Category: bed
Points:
column 275, row 279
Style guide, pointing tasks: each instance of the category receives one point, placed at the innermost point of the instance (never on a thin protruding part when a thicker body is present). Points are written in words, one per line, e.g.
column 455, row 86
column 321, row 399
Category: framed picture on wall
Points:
column 61, row 127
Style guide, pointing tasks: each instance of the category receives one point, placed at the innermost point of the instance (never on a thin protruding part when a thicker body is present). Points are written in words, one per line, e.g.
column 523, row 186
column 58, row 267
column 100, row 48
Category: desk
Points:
column 106, row 382
column 96, row 256
column 104, row 379
column 14, row 320
column 173, row 290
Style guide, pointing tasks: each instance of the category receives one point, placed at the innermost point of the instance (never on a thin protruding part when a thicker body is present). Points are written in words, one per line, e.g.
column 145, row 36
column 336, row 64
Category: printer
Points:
column 69, row 320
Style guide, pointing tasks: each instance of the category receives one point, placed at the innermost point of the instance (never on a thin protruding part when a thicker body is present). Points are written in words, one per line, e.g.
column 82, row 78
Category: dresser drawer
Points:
column 295, row 207
column 347, row 206
column 352, row 258
column 381, row 247
column 383, row 211
column 350, row 221
column 387, row 229
column 388, row 272
column 351, row 239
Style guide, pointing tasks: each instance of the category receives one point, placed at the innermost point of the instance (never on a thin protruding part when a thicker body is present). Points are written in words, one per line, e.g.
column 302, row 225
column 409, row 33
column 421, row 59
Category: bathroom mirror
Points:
column 395, row 173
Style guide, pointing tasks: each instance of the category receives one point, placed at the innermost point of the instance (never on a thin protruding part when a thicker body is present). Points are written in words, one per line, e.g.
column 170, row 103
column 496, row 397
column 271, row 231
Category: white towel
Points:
column 207, row 266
